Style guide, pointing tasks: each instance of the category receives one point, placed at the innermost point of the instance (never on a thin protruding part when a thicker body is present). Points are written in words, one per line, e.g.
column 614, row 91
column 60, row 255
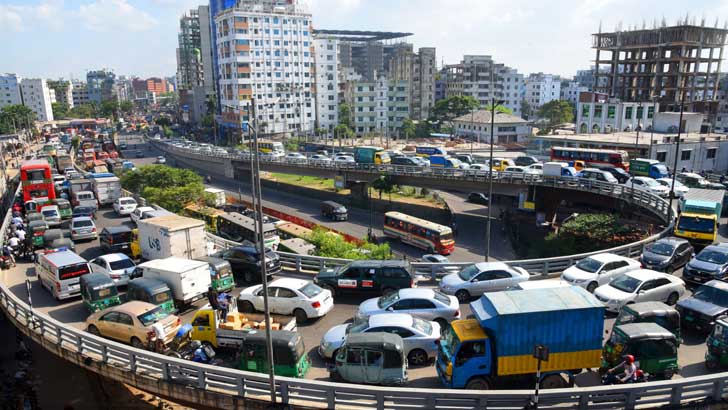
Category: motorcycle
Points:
column 610, row 378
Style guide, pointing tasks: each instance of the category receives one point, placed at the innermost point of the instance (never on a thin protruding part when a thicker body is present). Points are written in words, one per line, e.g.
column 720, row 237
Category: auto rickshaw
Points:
column 151, row 291
column 653, row 347
column 221, row 273
column 31, row 206
column 33, row 216
column 371, row 358
column 717, row 354
column 98, row 292
column 37, row 229
column 289, row 354
column 653, row 312
column 64, row 208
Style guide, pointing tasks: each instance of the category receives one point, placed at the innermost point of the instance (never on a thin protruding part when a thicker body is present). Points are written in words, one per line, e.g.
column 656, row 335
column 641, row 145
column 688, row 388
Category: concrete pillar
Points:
column 359, row 191
column 228, row 168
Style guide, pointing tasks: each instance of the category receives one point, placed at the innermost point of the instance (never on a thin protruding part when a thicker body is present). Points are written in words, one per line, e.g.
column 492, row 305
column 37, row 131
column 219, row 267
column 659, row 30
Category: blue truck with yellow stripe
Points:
column 497, row 346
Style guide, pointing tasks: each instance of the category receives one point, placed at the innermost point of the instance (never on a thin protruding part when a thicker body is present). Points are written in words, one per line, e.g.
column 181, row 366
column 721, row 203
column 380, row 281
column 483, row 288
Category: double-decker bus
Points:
column 270, row 146
column 37, row 182
column 419, row 232
column 597, row 158
column 240, row 228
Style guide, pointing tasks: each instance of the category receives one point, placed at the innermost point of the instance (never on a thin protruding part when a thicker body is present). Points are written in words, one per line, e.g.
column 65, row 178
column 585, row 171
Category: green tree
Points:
column 16, row 116
column 383, row 184
column 163, row 122
column 84, row 111
column 60, row 110
column 343, row 131
column 450, row 108
column 424, row 129
column 332, row 245
column 345, row 115
column 75, row 142
column 170, row 188
column 499, row 108
column 109, row 109
column 408, row 129
column 556, row 112
column 126, row 107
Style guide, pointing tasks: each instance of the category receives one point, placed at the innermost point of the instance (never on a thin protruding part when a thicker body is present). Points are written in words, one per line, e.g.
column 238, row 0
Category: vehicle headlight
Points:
column 325, row 345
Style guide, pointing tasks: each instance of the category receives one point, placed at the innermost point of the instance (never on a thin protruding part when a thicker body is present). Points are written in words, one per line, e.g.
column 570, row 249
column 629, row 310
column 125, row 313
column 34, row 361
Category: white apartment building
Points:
column 369, row 109
column 265, row 55
column 507, row 128
column 37, row 97
column 327, row 83
column 570, row 91
column 542, row 88
column 10, row 90
column 79, row 93
column 596, row 113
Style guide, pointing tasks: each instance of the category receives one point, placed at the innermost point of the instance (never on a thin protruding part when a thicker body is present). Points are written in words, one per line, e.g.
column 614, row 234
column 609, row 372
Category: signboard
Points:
column 541, row 352
column 339, row 182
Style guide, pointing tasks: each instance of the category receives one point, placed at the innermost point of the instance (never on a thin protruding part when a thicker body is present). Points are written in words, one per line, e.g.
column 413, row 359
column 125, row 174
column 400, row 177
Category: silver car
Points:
column 83, row 227
column 482, row 277
column 420, row 336
column 428, row 304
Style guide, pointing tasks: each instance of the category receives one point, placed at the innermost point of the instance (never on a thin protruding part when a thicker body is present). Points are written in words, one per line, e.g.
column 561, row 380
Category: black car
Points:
column 700, row 311
column 245, row 263
column 84, row 211
column 478, row 198
column 404, row 160
column 667, row 255
column 375, row 276
column 230, row 208
column 139, row 154
column 524, row 161
column 116, row 239
column 621, row 175
column 711, row 263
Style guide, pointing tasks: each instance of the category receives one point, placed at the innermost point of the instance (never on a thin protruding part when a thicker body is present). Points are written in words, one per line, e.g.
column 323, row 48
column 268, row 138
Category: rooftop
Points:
column 483, row 117
column 359, row 35
column 628, row 139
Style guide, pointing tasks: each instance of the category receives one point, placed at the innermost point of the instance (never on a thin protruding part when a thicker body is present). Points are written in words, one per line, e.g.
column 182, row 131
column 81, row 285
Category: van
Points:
column 59, row 272
column 84, row 198
column 334, row 211
column 113, row 239
column 597, row 175
column 406, row 161
column 373, row 276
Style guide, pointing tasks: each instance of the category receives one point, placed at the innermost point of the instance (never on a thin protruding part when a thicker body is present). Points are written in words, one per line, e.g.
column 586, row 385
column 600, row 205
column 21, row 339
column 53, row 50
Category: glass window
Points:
column 610, row 112
column 650, row 112
column 286, row 293
column 628, row 112
column 640, row 112
column 353, row 356
column 685, row 155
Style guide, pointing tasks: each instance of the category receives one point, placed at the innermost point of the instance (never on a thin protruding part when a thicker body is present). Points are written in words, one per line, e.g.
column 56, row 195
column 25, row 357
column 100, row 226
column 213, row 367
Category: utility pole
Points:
column 636, row 141
column 677, row 152
column 493, row 104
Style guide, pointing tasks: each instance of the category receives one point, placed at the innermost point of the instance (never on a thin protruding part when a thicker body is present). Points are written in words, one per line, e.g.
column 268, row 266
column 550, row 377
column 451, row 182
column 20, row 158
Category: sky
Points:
column 66, row 38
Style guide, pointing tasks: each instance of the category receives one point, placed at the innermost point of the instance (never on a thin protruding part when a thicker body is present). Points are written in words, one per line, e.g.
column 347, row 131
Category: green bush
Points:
column 170, row 188
column 332, row 245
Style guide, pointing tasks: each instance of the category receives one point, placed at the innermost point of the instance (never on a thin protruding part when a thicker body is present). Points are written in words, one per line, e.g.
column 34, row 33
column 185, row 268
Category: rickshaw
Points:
column 64, row 208
column 717, row 354
column 289, row 354
column 371, row 358
column 98, row 292
column 221, row 273
column 654, row 312
column 653, row 347
column 151, row 291
column 37, row 229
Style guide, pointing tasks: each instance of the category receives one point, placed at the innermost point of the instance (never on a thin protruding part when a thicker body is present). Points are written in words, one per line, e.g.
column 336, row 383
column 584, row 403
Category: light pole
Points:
column 493, row 105
column 637, row 140
column 677, row 152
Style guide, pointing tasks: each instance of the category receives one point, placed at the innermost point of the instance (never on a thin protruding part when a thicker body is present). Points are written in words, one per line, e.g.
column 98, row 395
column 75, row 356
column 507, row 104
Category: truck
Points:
column 498, row 345
column 558, row 169
column 172, row 235
column 219, row 194
column 641, row 167
column 427, row 151
column 442, row 161
column 107, row 189
column 62, row 162
column 231, row 332
column 371, row 155
column 80, row 185
column 699, row 215
column 187, row 279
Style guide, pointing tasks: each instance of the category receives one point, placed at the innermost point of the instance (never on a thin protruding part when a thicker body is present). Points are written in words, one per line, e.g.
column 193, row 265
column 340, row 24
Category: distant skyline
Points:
column 57, row 38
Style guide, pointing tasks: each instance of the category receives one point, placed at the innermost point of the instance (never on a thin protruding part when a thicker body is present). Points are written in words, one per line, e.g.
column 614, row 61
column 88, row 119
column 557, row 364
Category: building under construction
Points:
column 667, row 64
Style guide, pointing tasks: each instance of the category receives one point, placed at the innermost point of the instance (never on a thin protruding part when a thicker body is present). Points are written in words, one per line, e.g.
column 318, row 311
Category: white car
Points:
column 68, row 171
column 295, row 157
column 161, row 160
column 515, row 169
column 428, row 304
column 648, row 184
column 319, row 158
column 474, row 280
column 288, row 296
column 118, row 266
column 344, row 159
column 125, row 205
column 271, row 156
column 597, row 270
column 641, row 285
column 536, row 168
column 139, row 211
column 83, row 227
column 478, row 167
column 51, row 215
column 680, row 189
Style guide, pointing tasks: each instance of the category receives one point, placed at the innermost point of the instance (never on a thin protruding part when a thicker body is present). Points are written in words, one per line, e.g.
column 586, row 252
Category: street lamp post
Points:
column 637, row 140
column 677, row 152
column 493, row 105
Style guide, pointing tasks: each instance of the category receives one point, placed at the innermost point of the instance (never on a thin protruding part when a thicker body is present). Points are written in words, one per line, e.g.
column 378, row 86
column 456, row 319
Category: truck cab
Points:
column 464, row 358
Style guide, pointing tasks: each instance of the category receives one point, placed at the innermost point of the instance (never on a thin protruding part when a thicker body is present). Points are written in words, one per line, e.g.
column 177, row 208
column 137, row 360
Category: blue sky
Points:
column 58, row 38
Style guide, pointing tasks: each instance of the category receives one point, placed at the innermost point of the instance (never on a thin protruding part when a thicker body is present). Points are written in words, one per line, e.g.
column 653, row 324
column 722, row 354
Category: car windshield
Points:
column 50, row 212
column 385, row 301
column 589, row 265
column 650, row 182
column 152, row 316
column 469, row 272
column 661, row 248
column 82, row 223
column 712, row 256
column 626, row 284
column 127, row 202
column 712, row 294
column 358, row 325
column 121, row 264
column 422, row 325
column 310, row 289
column 442, row 298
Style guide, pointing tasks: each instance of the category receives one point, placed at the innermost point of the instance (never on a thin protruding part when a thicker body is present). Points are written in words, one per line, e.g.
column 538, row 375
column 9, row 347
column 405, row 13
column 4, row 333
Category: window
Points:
column 628, row 112
column 610, row 112
column 661, row 156
column 125, row 319
column 640, row 112
column 203, row 320
column 711, row 152
column 353, row 356
column 685, row 155
column 286, row 293
column 597, row 111
column 585, row 111
column 650, row 112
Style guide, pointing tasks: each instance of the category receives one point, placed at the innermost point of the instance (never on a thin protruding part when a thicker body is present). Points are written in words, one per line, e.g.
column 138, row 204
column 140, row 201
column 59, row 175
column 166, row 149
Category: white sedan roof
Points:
column 289, row 283
column 607, row 257
column 647, row 274
column 113, row 257
column 390, row 319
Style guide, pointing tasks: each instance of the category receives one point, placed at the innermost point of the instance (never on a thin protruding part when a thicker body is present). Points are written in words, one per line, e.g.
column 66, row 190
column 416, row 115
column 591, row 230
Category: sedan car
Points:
column 131, row 322
column 84, row 211
column 428, row 304
column 667, row 255
column 711, row 263
column 125, row 205
column 51, row 215
column 319, row 158
column 297, row 297
column 680, row 189
column 648, row 184
column 420, row 337
column 344, row 159
column 482, row 277
column 83, row 227
column 596, row 270
column 118, row 266
column 641, row 285
column 295, row 157
column 161, row 160
column 478, row 198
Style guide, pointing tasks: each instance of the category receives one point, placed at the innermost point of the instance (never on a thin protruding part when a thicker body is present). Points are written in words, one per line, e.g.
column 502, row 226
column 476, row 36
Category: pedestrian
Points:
column 8, row 253
column 212, row 298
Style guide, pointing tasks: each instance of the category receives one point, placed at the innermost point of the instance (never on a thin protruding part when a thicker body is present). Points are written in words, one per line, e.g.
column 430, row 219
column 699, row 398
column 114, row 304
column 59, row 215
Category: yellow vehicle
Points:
column 230, row 331
column 204, row 213
column 500, row 164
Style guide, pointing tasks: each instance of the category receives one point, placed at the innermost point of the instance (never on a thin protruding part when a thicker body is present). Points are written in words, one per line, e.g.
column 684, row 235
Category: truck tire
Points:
column 478, row 383
column 553, row 381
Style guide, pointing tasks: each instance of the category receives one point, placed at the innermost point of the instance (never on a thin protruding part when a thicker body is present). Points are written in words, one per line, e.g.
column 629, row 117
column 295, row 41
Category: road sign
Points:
column 541, row 352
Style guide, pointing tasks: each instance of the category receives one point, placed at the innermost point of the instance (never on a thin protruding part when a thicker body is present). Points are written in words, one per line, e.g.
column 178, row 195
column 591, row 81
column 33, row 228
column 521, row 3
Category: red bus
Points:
column 596, row 158
column 419, row 232
column 37, row 182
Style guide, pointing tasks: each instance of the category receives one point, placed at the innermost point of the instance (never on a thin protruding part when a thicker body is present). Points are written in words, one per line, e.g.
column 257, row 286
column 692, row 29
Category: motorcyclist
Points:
column 199, row 354
column 630, row 369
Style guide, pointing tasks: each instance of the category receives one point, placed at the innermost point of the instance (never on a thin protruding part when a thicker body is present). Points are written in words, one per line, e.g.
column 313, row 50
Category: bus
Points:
column 204, row 213
column 426, row 151
column 270, row 146
column 290, row 230
column 50, row 150
column 596, row 158
column 37, row 182
column 240, row 228
column 419, row 232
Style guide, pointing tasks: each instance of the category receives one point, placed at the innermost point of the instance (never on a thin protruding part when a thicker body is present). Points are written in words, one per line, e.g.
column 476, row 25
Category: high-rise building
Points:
column 63, row 91
column 721, row 120
column 570, row 91
column 37, row 96
column 587, row 78
column 419, row 71
column 265, row 67
column 195, row 79
column 100, row 85
column 327, row 82
column 542, row 88
column 10, row 90
column 79, row 93
column 189, row 56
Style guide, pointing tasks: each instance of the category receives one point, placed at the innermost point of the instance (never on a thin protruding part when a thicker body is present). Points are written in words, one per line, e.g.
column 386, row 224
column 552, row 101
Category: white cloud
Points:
column 113, row 15
column 10, row 18
column 21, row 18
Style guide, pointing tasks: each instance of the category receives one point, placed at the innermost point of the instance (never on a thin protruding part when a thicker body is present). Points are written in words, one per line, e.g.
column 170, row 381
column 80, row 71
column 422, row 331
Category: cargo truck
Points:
column 219, row 195
column 187, row 279
column 371, row 155
column 107, row 189
column 172, row 235
column 699, row 216
column 441, row 161
column 230, row 331
column 498, row 345
column 558, row 169
column 62, row 162
column 648, row 168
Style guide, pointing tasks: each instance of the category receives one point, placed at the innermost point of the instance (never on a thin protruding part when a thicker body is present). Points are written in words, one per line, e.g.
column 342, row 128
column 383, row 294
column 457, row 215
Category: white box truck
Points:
column 187, row 279
column 220, row 197
column 558, row 169
column 107, row 190
column 172, row 235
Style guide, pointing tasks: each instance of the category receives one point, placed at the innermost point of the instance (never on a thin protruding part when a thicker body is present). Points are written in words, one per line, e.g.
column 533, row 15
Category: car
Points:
column 295, row 157
column 118, row 266
column 710, row 263
column 525, row 161
column 515, row 169
column 84, row 211
column 667, row 255
column 434, row 258
column 478, row 167
column 51, row 215
column 319, row 158
column 680, row 189
column 131, row 323
column 139, row 211
column 161, row 160
column 596, row 175
column 139, row 154
column 405, row 161
column 476, row 279
column 367, row 276
column 478, row 198
column 693, row 180
column 289, row 296
column 116, row 239
column 428, row 304
column 68, row 171
column 596, row 270
column 620, row 174
column 344, row 159
column 271, row 156
column 245, row 262
column 641, row 285
column 708, row 302
column 83, row 227
column 421, row 337
column 535, row 169
column 125, row 205
column 648, row 184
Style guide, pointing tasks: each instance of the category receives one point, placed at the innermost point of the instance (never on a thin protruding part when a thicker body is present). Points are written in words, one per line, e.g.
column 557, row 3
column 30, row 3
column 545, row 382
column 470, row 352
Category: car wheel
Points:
column 672, row 299
column 301, row 316
column 668, row 374
column 553, row 381
column 669, row 270
column 247, row 307
column 417, row 357
column 94, row 330
column 248, row 277
column 592, row 286
column 478, row 384
column 463, row 296
column 135, row 342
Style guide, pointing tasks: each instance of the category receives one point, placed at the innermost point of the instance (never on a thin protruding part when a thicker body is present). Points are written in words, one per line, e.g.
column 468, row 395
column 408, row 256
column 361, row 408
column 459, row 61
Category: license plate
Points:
column 270, row 264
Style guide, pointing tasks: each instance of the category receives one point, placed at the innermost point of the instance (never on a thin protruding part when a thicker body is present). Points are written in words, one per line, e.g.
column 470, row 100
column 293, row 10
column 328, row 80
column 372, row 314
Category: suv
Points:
column 245, row 262
column 708, row 302
column 597, row 175
column 525, row 161
column 621, row 175
column 711, row 263
column 380, row 277
column 116, row 239
column 403, row 160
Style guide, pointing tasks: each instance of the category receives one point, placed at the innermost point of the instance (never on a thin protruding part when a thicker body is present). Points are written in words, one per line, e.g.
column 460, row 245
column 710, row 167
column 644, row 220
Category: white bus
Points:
column 240, row 228
column 60, row 271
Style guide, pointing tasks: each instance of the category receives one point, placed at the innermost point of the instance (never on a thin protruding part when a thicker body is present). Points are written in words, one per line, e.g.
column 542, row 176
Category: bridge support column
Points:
column 229, row 171
column 359, row 191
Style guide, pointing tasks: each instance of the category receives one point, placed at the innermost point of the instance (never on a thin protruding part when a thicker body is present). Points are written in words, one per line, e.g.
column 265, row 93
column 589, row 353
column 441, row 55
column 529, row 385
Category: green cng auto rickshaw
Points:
column 289, row 354
column 717, row 354
column 37, row 229
column 98, row 292
column 64, row 208
column 371, row 358
column 221, row 273
column 654, row 312
column 654, row 348
column 151, row 291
